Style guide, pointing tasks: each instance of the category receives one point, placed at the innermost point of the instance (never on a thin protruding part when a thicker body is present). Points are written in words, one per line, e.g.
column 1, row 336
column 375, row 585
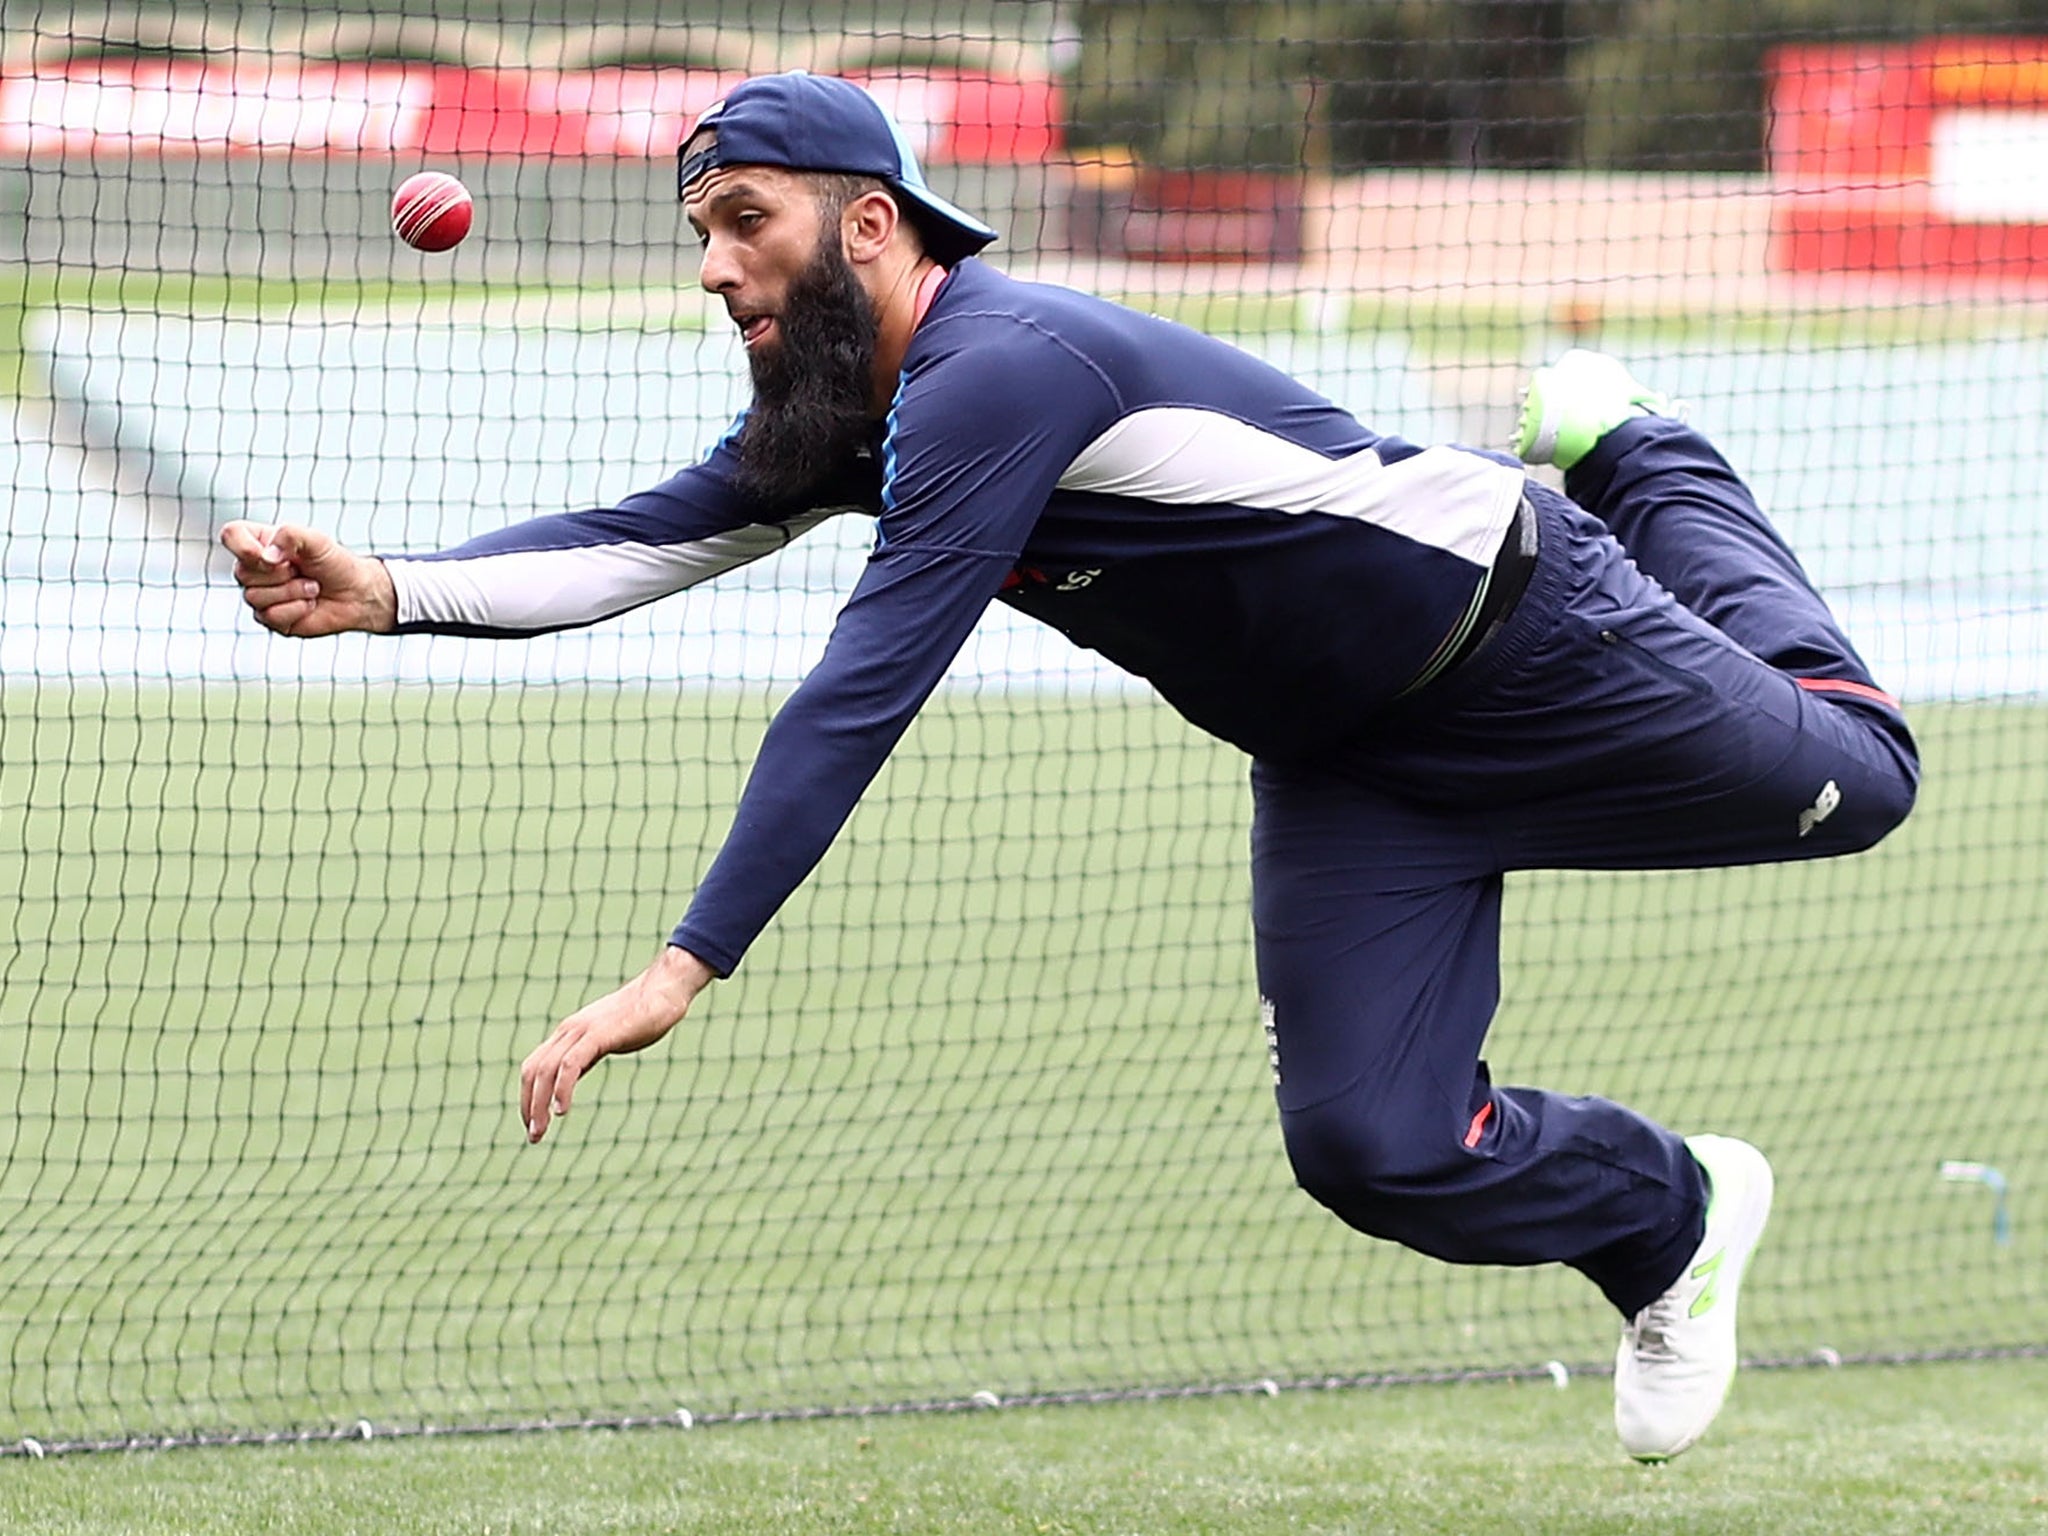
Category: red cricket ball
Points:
column 431, row 211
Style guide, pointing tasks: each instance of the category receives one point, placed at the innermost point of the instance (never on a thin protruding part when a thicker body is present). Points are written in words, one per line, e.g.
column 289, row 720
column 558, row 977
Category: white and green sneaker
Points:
column 1577, row 400
column 1678, row 1355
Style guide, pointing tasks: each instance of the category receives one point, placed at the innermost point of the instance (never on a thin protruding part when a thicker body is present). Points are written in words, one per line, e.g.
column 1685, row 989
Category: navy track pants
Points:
column 1670, row 692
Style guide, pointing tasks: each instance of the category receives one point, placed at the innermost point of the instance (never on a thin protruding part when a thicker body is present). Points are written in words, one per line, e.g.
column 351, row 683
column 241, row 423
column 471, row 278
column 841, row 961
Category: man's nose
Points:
column 719, row 271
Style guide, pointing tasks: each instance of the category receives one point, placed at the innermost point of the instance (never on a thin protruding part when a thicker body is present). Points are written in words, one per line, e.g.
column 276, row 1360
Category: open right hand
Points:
column 300, row 582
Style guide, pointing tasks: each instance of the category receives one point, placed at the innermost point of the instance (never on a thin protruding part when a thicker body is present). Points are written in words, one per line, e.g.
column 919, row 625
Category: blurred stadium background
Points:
column 987, row 1110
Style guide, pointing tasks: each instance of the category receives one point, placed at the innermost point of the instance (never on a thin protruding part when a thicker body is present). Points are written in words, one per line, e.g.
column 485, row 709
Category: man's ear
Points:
column 868, row 224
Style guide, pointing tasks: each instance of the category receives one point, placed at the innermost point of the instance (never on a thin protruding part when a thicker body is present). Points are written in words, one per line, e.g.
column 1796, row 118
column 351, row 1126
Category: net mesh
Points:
column 987, row 1110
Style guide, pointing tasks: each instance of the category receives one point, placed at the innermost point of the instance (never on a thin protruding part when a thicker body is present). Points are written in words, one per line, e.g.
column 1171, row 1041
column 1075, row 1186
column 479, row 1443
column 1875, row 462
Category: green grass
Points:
column 987, row 1108
column 1920, row 1451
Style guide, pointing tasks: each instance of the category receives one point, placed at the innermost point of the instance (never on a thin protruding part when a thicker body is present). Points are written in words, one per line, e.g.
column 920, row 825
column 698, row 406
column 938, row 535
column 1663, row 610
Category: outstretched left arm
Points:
column 977, row 444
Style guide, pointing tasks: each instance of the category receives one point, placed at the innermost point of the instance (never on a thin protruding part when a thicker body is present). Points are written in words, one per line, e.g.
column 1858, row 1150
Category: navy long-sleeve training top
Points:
column 1201, row 519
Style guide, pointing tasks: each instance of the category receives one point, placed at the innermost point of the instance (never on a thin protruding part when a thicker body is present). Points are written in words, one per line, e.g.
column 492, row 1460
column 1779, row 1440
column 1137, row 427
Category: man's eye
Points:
column 749, row 219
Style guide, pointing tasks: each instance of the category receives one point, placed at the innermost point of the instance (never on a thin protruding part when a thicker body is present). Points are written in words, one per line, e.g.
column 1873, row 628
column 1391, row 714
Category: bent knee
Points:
column 1869, row 780
column 1349, row 1155
column 1863, row 818
column 1895, row 798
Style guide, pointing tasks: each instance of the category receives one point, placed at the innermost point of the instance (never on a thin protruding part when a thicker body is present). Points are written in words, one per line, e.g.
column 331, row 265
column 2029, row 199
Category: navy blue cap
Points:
column 812, row 122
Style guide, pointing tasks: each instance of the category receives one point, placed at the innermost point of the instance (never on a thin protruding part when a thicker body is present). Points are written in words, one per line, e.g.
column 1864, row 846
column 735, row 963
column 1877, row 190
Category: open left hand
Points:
column 630, row 1019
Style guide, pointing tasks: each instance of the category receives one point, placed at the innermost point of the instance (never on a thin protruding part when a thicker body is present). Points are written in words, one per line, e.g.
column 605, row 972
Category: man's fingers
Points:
column 286, row 618
column 306, row 548
column 547, row 1082
column 287, row 546
column 526, row 1074
column 633, row 1017
column 284, row 607
column 252, row 544
column 253, row 577
column 567, row 1075
column 552, row 1090
column 264, row 596
column 532, row 1094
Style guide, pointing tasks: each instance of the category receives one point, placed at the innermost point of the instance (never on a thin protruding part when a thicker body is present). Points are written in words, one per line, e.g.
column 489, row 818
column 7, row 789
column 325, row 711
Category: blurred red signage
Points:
column 1927, row 159
column 272, row 105
column 1135, row 212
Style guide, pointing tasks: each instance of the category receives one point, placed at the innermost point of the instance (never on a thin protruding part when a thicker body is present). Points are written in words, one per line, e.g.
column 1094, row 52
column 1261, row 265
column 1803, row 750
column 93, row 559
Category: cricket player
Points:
column 1439, row 670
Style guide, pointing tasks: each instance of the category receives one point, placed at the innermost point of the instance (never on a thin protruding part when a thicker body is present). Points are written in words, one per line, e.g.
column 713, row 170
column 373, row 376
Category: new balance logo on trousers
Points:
column 1822, row 808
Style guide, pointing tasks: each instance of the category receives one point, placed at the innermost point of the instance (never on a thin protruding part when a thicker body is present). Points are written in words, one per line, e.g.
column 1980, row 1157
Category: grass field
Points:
column 986, row 1111
column 1925, row 1450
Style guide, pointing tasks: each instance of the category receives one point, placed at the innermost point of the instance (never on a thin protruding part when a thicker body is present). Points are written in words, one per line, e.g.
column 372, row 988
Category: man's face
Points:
column 759, row 226
column 775, row 257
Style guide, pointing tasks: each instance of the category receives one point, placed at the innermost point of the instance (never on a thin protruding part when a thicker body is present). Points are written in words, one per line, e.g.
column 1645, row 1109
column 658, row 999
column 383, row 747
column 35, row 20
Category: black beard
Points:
column 812, row 383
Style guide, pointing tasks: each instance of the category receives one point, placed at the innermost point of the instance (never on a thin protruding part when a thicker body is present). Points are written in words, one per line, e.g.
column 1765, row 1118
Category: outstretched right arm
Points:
column 550, row 573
